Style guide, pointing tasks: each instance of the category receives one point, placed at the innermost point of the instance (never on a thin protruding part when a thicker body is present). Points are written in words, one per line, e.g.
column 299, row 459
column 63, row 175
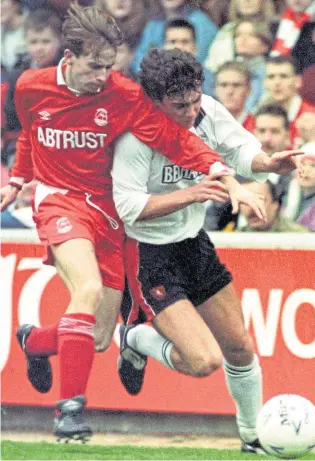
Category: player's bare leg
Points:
column 180, row 340
column 223, row 315
column 73, row 335
column 77, row 265
column 107, row 313
column 195, row 350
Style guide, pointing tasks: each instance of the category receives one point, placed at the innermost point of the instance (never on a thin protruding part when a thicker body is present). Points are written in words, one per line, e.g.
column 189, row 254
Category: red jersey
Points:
column 296, row 109
column 249, row 123
column 67, row 139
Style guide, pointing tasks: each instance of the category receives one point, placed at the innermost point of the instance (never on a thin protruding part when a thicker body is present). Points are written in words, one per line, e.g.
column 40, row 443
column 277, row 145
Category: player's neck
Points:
column 70, row 81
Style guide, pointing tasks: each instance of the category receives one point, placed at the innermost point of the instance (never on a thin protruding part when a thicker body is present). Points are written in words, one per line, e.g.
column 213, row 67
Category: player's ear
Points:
column 157, row 103
column 68, row 56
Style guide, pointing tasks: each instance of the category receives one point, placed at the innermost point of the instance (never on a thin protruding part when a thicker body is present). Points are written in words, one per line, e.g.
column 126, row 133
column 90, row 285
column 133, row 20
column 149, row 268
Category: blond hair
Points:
column 89, row 29
column 267, row 12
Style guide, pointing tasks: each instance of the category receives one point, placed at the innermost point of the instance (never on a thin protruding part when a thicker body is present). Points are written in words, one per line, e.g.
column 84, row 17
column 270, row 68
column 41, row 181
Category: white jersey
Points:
column 139, row 171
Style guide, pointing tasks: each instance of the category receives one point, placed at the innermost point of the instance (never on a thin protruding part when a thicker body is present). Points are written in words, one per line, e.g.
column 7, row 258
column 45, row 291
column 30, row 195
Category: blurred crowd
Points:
column 259, row 62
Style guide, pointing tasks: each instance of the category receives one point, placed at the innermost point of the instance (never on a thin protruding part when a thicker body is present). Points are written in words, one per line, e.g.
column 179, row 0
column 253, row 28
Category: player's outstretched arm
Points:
column 209, row 188
column 280, row 162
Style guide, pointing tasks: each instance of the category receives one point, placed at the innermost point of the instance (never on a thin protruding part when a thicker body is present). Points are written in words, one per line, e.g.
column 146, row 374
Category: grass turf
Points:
column 47, row 451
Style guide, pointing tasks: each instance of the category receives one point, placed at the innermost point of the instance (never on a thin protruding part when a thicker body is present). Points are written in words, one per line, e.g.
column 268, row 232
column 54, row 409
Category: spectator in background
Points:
column 123, row 60
column 154, row 31
column 304, row 50
column 180, row 34
column 252, row 44
column 297, row 14
column 259, row 11
column 42, row 30
column 301, row 193
column 129, row 16
column 306, row 126
column 272, row 130
column 232, row 87
column 283, row 84
column 308, row 81
column 306, row 215
column 12, row 33
column 59, row 5
column 217, row 10
column 275, row 222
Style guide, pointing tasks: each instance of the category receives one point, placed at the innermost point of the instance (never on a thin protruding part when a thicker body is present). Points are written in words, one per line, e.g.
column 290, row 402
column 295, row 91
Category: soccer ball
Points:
column 286, row 426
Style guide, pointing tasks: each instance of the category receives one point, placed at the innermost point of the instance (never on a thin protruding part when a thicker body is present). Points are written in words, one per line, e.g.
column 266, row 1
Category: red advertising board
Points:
column 277, row 288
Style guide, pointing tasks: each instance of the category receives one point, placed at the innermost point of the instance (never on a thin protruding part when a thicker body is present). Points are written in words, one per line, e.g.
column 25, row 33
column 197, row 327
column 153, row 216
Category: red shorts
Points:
column 61, row 215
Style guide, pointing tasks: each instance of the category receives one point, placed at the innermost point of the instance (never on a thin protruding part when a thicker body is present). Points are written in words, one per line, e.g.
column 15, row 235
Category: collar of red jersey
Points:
column 61, row 79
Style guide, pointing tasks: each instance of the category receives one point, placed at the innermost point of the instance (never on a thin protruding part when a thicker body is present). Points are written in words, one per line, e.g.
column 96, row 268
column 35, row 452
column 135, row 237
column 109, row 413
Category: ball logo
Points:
column 63, row 225
column 101, row 117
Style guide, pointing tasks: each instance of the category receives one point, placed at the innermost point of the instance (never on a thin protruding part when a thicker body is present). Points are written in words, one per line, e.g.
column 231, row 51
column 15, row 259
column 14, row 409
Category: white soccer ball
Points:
column 286, row 426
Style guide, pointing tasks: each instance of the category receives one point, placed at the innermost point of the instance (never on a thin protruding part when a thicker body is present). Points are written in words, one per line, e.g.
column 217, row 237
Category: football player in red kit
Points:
column 70, row 115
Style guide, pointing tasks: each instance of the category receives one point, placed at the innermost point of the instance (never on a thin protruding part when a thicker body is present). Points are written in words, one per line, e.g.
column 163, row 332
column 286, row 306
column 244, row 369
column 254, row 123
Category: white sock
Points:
column 245, row 386
column 148, row 341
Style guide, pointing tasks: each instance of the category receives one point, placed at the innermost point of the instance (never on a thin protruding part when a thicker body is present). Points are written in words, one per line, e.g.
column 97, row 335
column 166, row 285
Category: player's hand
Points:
column 240, row 194
column 210, row 188
column 7, row 195
column 284, row 162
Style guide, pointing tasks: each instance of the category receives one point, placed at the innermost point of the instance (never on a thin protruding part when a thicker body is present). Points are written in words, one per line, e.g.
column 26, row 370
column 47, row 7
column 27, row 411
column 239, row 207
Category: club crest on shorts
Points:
column 158, row 292
column 63, row 225
column 101, row 117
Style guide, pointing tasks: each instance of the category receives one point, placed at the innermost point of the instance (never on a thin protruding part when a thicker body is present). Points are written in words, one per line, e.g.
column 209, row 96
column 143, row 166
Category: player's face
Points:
column 308, row 179
column 181, row 38
column 270, row 130
column 43, row 46
column 183, row 109
column 89, row 73
column 272, row 208
column 232, row 89
column 119, row 8
column 281, row 82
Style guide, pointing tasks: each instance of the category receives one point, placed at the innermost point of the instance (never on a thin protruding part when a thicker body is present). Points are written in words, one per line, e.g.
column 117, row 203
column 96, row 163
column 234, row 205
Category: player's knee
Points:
column 205, row 365
column 240, row 351
column 91, row 292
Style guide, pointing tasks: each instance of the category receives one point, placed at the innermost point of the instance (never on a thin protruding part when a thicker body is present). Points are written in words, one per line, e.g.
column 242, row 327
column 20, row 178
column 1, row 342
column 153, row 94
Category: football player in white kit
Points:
column 176, row 279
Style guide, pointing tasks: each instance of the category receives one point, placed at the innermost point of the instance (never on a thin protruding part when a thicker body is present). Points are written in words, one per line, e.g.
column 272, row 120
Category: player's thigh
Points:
column 184, row 327
column 76, row 264
column 224, row 316
column 107, row 313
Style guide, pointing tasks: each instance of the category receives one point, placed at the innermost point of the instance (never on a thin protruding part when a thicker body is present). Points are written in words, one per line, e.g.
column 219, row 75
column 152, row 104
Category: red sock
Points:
column 43, row 341
column 76, row 352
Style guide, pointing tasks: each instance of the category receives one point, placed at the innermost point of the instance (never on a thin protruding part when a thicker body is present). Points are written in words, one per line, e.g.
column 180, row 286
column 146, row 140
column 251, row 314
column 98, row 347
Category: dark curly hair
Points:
column 170, row 73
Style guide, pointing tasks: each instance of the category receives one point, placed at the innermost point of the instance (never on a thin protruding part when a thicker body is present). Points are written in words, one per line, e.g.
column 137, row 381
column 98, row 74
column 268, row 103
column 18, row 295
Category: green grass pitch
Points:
column 47, row 451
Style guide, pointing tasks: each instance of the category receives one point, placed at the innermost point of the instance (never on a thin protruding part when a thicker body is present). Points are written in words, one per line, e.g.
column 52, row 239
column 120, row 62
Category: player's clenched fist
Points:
column 7, row 195
column 210, row 188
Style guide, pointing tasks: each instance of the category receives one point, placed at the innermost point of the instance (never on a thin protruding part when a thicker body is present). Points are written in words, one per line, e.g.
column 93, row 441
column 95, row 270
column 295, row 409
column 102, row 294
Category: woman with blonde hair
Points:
column 129, row 16
column 260, row 11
